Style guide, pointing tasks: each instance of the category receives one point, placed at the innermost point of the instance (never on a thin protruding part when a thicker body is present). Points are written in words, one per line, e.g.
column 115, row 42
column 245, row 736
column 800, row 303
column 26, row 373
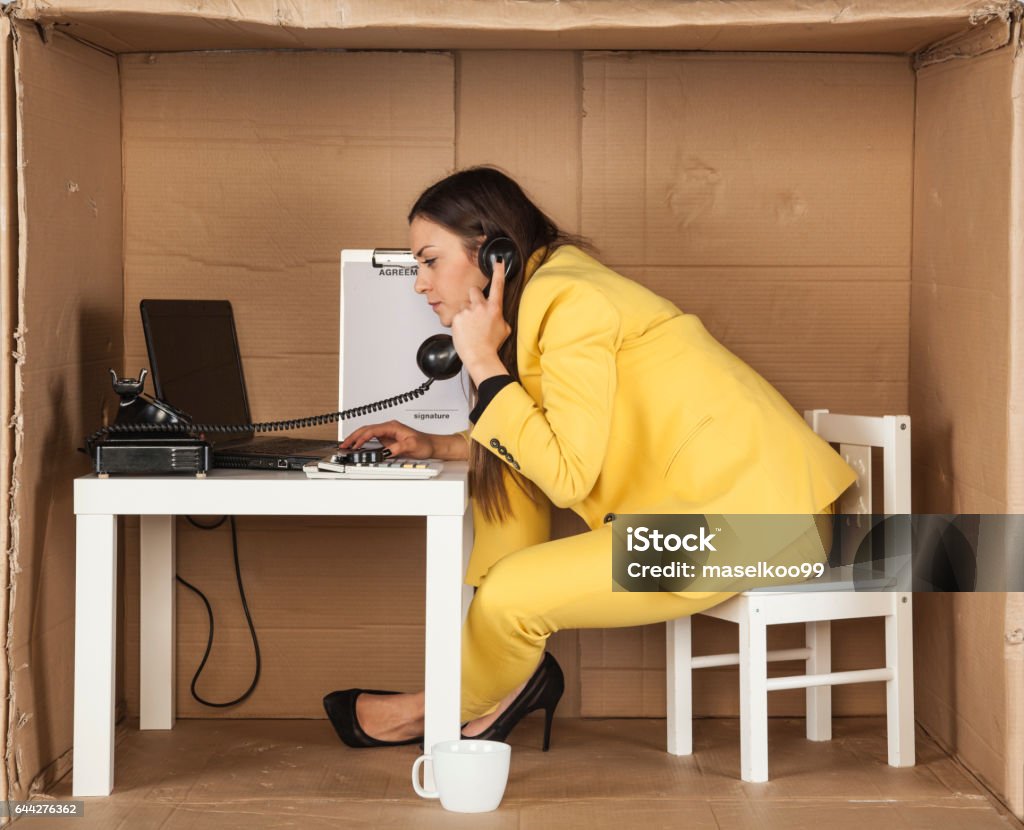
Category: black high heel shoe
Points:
column 542, row 691
column 341, row 709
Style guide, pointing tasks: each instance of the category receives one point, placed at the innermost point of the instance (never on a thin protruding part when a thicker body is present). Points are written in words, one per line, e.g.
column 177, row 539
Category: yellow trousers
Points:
column 529, row 587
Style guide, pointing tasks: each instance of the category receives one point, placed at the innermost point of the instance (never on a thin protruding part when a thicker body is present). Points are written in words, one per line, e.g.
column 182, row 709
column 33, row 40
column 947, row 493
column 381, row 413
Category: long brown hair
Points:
column 481, row 202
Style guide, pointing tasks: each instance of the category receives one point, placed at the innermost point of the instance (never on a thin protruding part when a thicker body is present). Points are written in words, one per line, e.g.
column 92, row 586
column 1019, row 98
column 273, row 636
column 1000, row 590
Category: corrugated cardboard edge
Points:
column 8, row 321
column 854, row 25
column 1014, row 628
column 472, row 14
column 14, row 334
column 72, row 296
column 994, row 28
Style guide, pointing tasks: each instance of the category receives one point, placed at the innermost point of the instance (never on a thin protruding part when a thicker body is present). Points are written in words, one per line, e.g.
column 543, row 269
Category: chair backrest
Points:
column 856, row 435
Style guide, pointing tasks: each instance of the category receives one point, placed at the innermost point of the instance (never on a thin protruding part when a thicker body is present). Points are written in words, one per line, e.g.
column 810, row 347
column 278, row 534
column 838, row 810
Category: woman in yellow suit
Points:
column 595, row 394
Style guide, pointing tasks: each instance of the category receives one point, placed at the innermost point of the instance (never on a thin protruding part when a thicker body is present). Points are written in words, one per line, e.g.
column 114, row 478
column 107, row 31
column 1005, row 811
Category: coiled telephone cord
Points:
column 267, row 426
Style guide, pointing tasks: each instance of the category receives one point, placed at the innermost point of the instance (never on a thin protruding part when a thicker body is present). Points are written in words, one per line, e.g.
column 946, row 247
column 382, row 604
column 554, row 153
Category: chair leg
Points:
column 753, row 695
column 679, row 681
column 899, row 692
column 819, row 698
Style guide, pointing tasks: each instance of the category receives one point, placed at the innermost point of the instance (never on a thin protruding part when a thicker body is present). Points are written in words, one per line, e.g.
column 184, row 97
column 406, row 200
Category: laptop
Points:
column 197, row 367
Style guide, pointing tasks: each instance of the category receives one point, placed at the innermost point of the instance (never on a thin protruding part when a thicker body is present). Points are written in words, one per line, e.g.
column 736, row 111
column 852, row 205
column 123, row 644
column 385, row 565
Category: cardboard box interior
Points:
column 842, row 219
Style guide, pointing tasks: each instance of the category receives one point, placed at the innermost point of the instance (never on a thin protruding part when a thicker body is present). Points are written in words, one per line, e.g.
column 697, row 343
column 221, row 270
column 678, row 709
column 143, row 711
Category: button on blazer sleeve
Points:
column 571, row 332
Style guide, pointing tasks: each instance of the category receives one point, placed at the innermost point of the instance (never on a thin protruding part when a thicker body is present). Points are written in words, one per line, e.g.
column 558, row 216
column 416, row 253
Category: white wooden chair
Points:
column 816, row 604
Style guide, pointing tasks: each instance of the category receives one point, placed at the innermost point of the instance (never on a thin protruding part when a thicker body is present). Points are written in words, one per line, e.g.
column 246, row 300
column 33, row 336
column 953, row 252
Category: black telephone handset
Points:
column 495, row 248
column 437, row 356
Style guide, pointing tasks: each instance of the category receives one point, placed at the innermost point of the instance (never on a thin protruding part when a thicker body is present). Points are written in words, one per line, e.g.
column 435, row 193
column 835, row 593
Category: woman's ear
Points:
column 478, row 243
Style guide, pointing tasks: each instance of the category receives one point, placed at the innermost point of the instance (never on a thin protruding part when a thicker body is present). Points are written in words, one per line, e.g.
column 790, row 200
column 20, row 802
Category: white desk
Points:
column 157, row 500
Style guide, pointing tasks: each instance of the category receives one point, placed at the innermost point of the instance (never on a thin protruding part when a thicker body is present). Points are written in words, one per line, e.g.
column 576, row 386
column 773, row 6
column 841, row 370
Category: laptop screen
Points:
column 195, row 361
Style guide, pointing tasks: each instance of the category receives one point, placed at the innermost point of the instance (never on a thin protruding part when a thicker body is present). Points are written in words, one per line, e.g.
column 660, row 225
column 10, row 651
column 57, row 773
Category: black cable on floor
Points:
column 209, row 612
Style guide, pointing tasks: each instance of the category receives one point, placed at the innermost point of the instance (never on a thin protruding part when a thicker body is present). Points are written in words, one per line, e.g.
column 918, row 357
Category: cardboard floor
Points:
column 599, row 773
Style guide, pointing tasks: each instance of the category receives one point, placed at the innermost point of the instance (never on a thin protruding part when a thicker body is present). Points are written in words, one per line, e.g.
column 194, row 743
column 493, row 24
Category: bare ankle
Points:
column 390, row 717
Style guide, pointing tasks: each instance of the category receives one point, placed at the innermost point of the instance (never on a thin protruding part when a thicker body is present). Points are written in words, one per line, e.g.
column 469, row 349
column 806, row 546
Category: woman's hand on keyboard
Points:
column 407, row 442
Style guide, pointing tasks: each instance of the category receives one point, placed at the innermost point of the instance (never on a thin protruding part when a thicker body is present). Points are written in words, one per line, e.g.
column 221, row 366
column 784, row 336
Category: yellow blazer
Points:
column 628, row 405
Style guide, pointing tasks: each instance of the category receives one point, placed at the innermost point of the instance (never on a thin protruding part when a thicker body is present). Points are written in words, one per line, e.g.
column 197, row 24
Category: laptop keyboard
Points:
column 286, row 446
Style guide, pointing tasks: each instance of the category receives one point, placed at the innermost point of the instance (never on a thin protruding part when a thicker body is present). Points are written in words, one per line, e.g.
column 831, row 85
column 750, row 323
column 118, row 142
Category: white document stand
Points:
column 382, row 315
column 157, row 500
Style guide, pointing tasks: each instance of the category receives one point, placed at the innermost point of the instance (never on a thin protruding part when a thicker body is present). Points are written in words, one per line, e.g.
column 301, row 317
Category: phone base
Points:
column 152, row 456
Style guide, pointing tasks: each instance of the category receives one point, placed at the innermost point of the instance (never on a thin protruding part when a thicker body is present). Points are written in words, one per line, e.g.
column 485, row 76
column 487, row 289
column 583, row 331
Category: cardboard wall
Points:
column 963, row 334
column 959, row 329
column 790, row 236
column 226, row 197
column 69, row 313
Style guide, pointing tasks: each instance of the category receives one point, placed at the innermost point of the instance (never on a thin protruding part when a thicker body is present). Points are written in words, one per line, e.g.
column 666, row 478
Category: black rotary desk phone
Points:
column 177, row 447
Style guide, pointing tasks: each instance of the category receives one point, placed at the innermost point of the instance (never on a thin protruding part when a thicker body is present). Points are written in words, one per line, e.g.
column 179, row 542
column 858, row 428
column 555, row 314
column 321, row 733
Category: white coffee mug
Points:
column 470, row 775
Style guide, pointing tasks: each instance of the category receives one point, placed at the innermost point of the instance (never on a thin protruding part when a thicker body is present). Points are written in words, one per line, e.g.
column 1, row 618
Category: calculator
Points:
column 340, row 466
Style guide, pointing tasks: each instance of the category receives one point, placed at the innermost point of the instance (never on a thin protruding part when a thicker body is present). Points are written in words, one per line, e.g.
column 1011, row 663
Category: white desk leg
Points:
column 95, row 661
column 156, row 622
column 443, row 670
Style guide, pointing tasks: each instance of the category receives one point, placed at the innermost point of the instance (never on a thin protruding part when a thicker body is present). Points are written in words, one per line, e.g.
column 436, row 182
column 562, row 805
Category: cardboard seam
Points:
column 958, row 762
column 119, row 613
column 263, row 50
column 50, row 774
column 580, row 115
column 124, row 226
column 909, row 281
column 1015, row 306
column 64, row 30
column 456, row 57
